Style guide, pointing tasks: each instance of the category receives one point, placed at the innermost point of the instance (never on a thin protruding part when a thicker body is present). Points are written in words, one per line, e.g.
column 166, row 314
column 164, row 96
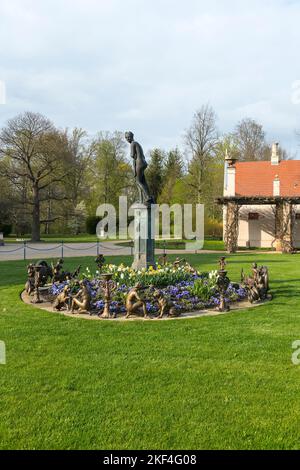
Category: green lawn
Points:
column 213, row 245
column 206, row 383
column 56, row 238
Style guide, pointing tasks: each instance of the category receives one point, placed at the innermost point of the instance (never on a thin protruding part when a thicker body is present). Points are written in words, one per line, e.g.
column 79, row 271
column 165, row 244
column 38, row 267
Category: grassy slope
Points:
column 219, row 382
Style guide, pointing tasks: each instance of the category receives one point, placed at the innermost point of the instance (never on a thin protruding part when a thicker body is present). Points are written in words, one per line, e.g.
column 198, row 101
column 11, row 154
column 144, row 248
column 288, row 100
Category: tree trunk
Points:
column 36, row 229
column 49, row 217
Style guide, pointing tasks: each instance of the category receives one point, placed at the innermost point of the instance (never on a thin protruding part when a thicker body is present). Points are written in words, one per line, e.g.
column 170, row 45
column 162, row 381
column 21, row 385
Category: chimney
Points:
column 275, row 158
column 276, row 186
column 230, row 171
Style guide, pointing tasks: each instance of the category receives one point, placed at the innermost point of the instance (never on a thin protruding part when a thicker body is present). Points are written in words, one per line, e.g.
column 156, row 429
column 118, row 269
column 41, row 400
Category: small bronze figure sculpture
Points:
column 257, row 285
column 29, row 286
column 139, row 167
column 222, row 282
column 100, row 262
column 38, row 281
column 82, row 300
column 190, row 268
column 163, row 259
column 69, row 276
column 166, row 306
column 178, row 261
column 60, row 276
column 62, row 299
column 222, row 263
column 108, row 285
column 135, row 303
column 56, row 270
column 45, row 272
column 261, row 276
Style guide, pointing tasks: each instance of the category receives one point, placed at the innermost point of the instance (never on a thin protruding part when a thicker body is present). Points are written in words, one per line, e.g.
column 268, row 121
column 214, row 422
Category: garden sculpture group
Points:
column 167, row 291
column 38, row 275
column 144, row 289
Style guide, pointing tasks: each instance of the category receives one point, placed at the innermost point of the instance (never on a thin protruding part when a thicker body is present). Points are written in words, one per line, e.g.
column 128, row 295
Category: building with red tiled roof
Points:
column 257, row 178
column 268, row 179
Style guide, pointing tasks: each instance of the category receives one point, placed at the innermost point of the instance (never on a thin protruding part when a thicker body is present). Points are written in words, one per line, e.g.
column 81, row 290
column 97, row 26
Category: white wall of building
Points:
column 261, row 233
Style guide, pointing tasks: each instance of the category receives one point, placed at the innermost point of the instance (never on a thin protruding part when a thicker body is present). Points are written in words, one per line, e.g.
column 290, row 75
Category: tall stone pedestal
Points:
column 144, row 237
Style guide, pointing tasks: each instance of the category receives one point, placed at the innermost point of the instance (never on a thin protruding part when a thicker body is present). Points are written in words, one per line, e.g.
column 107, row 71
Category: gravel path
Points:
column 16, row 251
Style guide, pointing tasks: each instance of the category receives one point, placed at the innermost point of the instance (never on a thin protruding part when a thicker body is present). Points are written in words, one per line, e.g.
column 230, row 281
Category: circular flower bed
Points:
column 184, row 287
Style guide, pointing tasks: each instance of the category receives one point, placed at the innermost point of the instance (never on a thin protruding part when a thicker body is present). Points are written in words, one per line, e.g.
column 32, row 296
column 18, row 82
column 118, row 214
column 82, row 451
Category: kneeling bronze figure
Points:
column 166, row 306
column 82, row 300
column 62, row 299
column 135, row 303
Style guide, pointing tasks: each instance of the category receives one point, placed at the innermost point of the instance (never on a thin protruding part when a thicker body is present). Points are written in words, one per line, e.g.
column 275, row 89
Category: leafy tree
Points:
column 32, row 154
column 201, row 141
column 249, row 138
column 173, row 170
column 110, row 174
column 181, row 191
column 155, row 172
column 7, row 204
column 76, row 185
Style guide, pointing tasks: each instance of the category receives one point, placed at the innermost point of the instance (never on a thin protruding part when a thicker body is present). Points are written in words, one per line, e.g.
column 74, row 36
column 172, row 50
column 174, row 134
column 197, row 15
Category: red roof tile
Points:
column 256, row 178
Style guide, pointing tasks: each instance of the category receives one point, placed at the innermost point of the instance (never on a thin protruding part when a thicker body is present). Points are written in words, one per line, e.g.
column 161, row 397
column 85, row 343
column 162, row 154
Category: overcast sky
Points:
column 147, row 65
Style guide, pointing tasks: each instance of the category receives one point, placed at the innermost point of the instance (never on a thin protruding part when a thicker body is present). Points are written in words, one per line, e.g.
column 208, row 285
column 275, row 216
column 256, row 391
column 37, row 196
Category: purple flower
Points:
column 56, row 289
column 215, row 300
column 99, row 304
column 151, row 308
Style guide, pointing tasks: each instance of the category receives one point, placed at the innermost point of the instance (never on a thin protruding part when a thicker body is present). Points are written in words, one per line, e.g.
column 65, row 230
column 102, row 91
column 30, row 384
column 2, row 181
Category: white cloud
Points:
column 115, row 64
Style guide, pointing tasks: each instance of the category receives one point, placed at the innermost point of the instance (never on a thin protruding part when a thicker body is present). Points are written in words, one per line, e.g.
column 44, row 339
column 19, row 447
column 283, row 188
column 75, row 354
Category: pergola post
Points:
column 284, row 219
column 278, row 225
column 284, row 225
column 232, row 227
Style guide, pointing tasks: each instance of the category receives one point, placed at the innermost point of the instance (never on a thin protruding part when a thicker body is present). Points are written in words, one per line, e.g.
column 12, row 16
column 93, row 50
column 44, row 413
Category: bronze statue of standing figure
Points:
column 139, row 167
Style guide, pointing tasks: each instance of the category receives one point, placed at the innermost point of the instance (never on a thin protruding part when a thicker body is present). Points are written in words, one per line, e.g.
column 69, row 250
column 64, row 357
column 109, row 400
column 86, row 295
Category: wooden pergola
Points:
column 284, row 218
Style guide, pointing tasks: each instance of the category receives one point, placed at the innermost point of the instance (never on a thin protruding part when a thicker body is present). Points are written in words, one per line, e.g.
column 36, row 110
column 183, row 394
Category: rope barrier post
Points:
column 62, row 249
column 132, row 244
column 164, row 247
column 24, row 250
column 97, row 247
